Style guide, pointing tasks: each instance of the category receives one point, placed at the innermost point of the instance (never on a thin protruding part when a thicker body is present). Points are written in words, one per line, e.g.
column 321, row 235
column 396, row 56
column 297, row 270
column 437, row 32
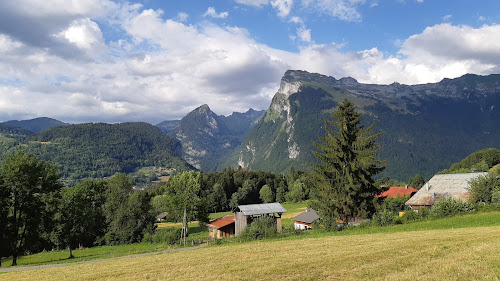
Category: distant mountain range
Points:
column 36, row 125
column 425, row 127
column 207, row 138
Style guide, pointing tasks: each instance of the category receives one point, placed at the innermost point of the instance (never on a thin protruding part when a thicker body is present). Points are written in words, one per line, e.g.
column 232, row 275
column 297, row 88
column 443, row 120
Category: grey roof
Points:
column 162, row 215
column 441, row 186
column 309, row 216
column 261, row 209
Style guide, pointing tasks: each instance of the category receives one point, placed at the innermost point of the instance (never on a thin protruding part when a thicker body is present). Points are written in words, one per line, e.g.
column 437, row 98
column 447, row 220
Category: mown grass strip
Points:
column 449, row 254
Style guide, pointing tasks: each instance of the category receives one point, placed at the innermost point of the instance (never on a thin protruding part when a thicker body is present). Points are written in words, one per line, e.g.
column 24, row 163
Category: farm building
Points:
column 397, row 191
column 305, row 219
column 161, row 216
column 221, row 227
column 443, row 186
column 245, row 214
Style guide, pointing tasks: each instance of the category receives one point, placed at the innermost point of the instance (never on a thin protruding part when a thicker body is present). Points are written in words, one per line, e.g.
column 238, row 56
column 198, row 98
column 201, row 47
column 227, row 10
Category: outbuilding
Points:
column 245, row 214
column 305, row 219
column 221, row 227
column 161, row 216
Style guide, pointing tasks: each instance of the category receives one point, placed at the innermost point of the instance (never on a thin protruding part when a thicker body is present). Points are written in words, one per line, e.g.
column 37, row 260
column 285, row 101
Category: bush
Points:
column 395, row 204
column 481, row 188
column 169, row 236
column 383, row 218
column 450, row 207
column 262, row 227
column 414, row 215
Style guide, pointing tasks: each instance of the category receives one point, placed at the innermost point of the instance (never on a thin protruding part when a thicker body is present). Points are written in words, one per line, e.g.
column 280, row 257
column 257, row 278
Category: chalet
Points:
column 305, row 219
column 221, row 227
column 397, row 191
column 443, row 186
column 161, row 216
column 245, row 214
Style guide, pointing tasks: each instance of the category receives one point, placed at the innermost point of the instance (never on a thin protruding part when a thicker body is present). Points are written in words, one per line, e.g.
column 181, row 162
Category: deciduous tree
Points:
column 29, row 187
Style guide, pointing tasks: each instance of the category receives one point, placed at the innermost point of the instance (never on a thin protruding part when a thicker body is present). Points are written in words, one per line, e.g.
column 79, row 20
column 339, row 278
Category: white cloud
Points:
column 256, row 3
column 84, row 33
column 283, row 7
column 182, row 17
column 304, row 34
column 212, row 13
column 345, row 10
column 163, row 68
column 447, row 18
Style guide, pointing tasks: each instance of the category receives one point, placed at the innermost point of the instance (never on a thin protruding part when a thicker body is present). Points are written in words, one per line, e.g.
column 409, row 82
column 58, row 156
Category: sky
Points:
column 153, row 60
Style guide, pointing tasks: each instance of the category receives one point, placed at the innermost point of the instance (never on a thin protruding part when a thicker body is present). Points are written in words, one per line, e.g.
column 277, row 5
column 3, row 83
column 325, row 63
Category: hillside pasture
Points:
column 463, row 253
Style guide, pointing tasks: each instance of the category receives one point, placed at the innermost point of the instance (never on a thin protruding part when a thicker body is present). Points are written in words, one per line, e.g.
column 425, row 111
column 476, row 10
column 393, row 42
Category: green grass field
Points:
column 458, row 248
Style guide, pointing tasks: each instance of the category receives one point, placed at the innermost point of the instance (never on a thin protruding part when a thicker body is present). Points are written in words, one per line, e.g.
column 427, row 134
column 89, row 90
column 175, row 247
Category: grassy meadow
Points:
column 457, row 248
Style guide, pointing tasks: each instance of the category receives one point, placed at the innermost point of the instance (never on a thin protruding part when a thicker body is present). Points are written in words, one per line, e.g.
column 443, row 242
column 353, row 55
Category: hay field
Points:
column 451, row 254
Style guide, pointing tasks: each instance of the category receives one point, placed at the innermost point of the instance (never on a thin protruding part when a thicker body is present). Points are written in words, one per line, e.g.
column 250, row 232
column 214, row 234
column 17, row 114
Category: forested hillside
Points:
column 101, row 150
column 425, row 128
column 38, row 124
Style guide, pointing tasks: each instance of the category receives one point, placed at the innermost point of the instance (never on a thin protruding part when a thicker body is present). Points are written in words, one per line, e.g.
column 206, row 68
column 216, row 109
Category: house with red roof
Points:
column 397, row 191
column 221, row 227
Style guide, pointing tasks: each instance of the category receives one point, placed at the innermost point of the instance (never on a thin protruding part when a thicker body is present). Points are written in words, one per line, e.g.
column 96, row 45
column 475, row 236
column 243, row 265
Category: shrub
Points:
column 481, row 188
column 415, row 215
column 450, row 207
column 163, row 235
column 385, row 217
column 262, row 227
column 396, row 204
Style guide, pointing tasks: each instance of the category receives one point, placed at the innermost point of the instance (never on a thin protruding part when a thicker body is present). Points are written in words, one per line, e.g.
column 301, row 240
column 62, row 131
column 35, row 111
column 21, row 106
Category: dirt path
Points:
column 20, row 268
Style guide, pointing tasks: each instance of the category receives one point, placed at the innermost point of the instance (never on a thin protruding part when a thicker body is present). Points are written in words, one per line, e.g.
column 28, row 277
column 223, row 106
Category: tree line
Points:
column 38, row 213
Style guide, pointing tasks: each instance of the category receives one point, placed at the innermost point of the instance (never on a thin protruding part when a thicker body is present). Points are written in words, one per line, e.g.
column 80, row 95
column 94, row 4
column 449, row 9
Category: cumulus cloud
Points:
column 163, row 68
column 212, row 13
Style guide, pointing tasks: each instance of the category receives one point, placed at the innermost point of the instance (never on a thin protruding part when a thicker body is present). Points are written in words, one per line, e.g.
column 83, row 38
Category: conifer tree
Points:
column 347, row 153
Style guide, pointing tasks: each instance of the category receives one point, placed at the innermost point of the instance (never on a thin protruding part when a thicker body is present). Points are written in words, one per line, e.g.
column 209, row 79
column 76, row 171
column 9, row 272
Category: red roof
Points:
column 221, row 222
column 395, row 191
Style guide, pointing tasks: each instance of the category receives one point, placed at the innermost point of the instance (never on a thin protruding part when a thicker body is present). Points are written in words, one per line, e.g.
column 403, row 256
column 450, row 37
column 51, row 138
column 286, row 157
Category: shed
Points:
column 397, row 191
column 305, row 219
column 245, row 214
column 161, row 216
column 443, row 186
column 221, row 227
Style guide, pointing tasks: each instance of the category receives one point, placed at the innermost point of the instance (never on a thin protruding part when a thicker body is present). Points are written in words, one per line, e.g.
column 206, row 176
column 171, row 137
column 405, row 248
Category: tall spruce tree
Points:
column 344, row 185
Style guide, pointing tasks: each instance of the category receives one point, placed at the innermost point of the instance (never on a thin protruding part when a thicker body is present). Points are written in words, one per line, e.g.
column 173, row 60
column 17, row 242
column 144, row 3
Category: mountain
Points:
column 168, row 125
column 101, row 150
column 208, row 138
column 6, row 129
column 38, row 124
column 425, row 127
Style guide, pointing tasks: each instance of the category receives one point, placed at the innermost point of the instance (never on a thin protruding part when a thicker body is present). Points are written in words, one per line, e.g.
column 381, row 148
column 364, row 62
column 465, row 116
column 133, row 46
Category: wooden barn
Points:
column 305, row 219
column 245, row 214
column 221, row 227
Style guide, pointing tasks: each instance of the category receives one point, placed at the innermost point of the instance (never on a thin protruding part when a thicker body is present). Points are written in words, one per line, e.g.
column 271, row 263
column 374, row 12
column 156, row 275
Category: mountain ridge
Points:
column 420, row 123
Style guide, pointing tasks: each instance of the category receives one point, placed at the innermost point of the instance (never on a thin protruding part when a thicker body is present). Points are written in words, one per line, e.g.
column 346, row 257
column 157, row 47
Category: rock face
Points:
column 425, row 127
column 208, row 138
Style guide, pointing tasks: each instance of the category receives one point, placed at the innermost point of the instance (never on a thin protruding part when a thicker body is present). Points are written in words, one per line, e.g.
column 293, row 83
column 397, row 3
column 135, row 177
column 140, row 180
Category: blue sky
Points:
column 153, row 60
